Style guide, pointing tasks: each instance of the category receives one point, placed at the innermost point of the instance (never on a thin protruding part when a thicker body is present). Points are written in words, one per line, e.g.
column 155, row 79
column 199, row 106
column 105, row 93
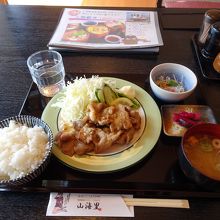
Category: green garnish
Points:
column 205, row 144
column 172, row 83
column 78, row 33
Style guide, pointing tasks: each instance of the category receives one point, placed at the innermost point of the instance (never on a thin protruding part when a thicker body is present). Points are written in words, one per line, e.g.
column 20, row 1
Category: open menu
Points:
column 96, row 29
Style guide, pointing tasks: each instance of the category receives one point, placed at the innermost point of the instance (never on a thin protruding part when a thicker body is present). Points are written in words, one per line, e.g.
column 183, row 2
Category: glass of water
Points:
column 47, row 71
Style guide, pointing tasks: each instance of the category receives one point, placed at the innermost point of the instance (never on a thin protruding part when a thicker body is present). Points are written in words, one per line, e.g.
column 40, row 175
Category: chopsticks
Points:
column 168, row 203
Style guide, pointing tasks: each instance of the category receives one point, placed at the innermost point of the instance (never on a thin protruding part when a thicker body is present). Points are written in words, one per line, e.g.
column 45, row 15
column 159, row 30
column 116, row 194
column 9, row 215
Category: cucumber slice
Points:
column 109, row 94
column 135, row 103
column 99, row 95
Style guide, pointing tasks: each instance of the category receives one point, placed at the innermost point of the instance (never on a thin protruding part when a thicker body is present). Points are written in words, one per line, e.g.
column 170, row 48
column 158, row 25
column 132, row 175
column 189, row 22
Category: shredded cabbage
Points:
column 77, row 95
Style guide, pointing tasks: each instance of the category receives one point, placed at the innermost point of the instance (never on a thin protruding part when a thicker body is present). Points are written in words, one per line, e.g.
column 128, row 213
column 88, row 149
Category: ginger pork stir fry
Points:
column 103, row 126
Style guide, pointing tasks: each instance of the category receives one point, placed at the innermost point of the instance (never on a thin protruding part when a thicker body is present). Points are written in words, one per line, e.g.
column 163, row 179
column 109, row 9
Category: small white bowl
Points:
column 182, row 73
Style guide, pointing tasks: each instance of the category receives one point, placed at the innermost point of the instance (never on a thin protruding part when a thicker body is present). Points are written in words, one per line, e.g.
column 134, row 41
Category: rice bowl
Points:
column 25, row 149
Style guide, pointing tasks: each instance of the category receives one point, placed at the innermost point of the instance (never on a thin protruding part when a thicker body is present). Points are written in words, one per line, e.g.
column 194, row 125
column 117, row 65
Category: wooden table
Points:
column 25, row 30
column 120, row 3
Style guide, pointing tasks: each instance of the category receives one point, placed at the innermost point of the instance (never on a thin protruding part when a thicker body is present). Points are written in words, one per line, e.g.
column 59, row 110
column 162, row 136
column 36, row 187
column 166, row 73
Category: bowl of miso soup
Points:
column 199, row 153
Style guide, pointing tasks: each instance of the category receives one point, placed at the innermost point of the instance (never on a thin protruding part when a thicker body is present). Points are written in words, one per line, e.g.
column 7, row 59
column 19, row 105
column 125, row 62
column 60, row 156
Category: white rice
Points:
column 22, row 149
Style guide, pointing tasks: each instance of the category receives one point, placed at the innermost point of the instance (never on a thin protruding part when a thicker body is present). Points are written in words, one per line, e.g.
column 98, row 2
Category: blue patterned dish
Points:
column 30, row 121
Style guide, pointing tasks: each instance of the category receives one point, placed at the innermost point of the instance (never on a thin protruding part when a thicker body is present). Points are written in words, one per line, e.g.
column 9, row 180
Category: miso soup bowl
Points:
column 194, row 173
column 181, row 73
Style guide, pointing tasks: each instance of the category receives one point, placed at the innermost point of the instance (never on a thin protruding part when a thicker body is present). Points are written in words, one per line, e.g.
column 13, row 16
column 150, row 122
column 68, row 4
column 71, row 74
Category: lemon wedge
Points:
column 123, row 101
column 128, row 91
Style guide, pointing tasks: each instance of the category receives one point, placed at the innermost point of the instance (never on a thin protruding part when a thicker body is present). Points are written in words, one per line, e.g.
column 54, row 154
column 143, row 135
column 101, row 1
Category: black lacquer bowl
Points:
column 30, row 121
column 192, row 171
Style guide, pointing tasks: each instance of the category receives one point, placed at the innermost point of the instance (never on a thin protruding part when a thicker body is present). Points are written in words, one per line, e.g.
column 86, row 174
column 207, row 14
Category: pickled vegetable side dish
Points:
column 170, row 84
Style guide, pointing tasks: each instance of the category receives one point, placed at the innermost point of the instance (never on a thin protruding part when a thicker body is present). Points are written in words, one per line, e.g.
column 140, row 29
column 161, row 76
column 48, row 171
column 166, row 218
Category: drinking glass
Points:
column 47, row 71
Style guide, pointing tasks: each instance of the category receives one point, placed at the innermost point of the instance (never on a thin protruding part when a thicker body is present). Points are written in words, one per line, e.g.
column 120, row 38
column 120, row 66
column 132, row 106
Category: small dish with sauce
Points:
column 89, row 23
column 113, row 39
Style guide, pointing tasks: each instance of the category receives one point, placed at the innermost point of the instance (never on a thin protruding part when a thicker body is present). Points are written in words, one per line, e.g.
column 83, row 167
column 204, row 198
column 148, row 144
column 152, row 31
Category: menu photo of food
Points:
column 106, row 29
column 138, row 16
column 110, row 32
